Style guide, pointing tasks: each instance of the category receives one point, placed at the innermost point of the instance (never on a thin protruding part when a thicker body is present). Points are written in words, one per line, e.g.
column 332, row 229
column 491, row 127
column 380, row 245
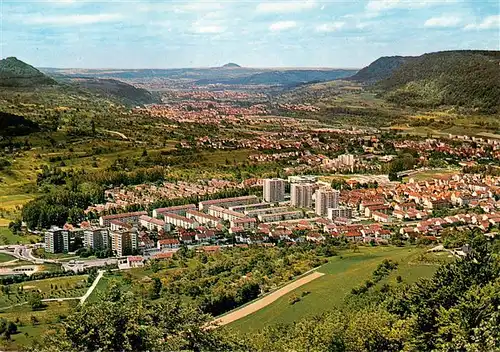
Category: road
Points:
column 266, row 300
column 91, row 288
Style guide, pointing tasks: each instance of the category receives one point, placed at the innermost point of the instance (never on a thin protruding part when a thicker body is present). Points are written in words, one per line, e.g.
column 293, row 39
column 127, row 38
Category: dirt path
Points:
column 266, row 300
column 91, row 288
column 117, row 133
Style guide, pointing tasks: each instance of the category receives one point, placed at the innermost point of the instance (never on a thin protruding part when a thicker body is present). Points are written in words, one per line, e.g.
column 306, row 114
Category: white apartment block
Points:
column 244, row 208
column 301, row 195
column 256, row 212
column 56, row 240
column 180, row 221
column 202, row 218
column 326, row 198
column 246, row 223
column 152, row 223
column 125, row 217
column 274, row 190
column 289, row 215
column 224, row 213
column 178, row 209
column 96, row 238
column 228, row 202
column 341, row 212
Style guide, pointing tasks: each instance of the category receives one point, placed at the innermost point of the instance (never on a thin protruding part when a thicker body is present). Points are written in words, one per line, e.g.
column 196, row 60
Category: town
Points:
column 298, row 209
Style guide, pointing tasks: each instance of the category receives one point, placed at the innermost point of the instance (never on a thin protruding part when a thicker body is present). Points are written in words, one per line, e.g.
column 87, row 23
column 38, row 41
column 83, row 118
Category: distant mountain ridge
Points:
column 16, row 73
column 231, row 65
column 381, row 68
column 467, row 79
column 230, row 75
column 283, row 77
column 113, row 88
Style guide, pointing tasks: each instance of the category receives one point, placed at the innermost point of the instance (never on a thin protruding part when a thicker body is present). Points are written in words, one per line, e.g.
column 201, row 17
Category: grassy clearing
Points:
column 6, row 258
column 342, row 273
column 435, row 173
column 7, row 237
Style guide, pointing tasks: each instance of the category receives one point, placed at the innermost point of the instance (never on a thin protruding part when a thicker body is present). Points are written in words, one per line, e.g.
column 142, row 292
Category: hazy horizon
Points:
column 118, row 34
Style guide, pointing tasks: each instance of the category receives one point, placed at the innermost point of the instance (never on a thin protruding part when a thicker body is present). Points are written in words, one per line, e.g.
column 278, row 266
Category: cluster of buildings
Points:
column 300, row 208
column 202, row 112
column 144, row 194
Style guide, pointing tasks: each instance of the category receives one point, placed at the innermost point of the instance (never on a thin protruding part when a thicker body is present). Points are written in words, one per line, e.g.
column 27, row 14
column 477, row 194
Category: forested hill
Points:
column 380, row 69
column 13, row 125
column 15, row 73
column 111, row 88
column 468, row 79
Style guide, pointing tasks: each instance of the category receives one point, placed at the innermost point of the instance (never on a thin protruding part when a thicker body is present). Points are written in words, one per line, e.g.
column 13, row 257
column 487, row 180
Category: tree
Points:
column 155, row 288
column 35, row 301
column 131, row 324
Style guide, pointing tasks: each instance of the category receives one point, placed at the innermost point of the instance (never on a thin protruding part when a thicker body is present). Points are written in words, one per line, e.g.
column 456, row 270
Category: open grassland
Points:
column 433, row 173
column 342, row 273
column 7, row 237
column 6, row 258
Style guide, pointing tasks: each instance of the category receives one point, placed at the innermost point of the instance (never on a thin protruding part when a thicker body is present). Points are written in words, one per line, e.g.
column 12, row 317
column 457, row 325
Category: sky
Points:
column 253, row 33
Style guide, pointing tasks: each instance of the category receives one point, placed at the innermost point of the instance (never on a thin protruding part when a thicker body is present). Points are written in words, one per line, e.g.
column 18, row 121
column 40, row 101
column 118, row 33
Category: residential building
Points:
column 340, row 212
column 179, row 210
column 289, row 215
column 56, row 240
column 123, row 242
column 245, row 223
column 272, row 210
column 229, row 202
column 224, row 213
column 247, row 207
column 151, row 223
column 180, row 221
column 301, row 195
column 326, row 198
column 202, row 218
column 274, row 190
column 125, row 217
column 168, row 243
column 96, row 238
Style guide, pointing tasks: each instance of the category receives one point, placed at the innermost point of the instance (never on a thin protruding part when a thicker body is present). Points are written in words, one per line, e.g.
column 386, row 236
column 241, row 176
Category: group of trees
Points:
column 219, row 282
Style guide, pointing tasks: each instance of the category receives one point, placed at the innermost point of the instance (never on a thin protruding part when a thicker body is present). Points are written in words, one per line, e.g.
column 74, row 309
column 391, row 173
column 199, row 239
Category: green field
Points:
column 431, row 174
column 6, row 258
column 7, row 237
column 342, row 273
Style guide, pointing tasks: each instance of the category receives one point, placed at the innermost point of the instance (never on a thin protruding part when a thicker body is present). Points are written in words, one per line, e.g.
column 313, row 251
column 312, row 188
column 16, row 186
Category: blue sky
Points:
column 200, row 33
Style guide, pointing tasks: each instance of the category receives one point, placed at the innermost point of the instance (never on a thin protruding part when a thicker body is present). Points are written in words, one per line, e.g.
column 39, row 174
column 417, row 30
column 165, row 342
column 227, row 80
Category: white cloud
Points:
column 197, row 6
column 443, row 22
column 74, row 19
column 382, row 5
column 285, row 7
column 330, row 27
column 490, row 22
column 207, row 28
column 282, row 25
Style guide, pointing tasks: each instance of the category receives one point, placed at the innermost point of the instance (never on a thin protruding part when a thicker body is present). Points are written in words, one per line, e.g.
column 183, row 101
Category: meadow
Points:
column 342, row 273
